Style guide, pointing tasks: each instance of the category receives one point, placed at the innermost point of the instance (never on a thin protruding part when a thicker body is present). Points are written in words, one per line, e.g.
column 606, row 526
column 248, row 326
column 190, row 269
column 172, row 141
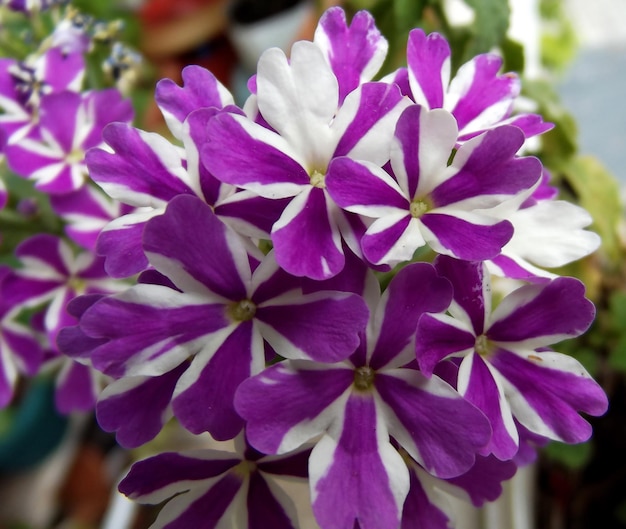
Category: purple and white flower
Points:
column 220, row 313
column 52, row 275
column 23, row 84
column 214, row 489
column 144, row 170
column 69, row 124
column 356, row 474
column 307, row 126
column 478, row 97
column 507, row 369
column 429, row 201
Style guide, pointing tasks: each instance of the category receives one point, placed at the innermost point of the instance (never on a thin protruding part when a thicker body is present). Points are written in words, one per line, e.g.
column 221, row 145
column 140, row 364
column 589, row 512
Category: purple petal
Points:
column 189, row 242
column 162, row 330
column 264, row 508
column 120, row 243
column 323, row 327
column 144, row 169
column 247, row 155
column 295, row 464
column 108, row 106
column 62, row 70
column 59, row 116
column 45, row 251
column 76, row 388
column 440, row 336
column 306, row 238
column 355, row 277
column 428, row 60
column 531, row 124
column 432, row 422
column 29, row 155
column 135, row 408
column 423, row 143
column 479, row 386
column 487, row 167
column 166, row 474
column 213, row 381
column 416, row 289
column 483, row 482
column 250, row 214
column 355, row 52
column 544, row 314
column 484, row 97
column 86, row 210
column 472, row 290
column 200, row 89
column 290, row 403
column 391, row 240
column 419, row 511
column 222, row 502
column 359, row 478
column 21, row 344
column 467, row 239
column 546, row 392
column 363, row 188
column 269, row 281
column 366, row 121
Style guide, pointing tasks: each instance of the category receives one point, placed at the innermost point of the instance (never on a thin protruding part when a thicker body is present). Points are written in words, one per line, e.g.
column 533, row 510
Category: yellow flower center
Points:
column 244, row 310
column 318, row 179
column 364, row 378
column 418, row 207
column 483, row 346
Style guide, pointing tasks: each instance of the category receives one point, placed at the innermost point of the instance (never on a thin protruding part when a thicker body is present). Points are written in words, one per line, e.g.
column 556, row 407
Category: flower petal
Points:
column 212, row 379
column 546, row 390
column 431, row 421
column 136, row 408
column 357, row 477
column 414, row 290
column 197, row 251
column 355, row 52
column 200, row 89
column 306, row 238
column 291, row 403
column 428, row 60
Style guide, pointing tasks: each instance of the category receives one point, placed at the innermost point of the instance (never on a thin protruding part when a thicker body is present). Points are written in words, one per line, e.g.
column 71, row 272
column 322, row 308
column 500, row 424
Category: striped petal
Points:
column 431, row 421
column 310, row 396
column 357, row 477
column 200, row 89
column 306, row 238
column 355, row 52
column 428, row 60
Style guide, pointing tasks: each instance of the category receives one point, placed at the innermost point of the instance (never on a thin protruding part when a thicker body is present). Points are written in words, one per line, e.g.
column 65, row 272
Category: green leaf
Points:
column 407, row 13
column 572, row 456
column 490, row 25
column 513, row 55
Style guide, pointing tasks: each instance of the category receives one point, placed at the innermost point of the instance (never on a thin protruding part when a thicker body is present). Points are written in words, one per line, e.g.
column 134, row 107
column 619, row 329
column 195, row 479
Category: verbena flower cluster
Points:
column 315, row 282
column 52, row 114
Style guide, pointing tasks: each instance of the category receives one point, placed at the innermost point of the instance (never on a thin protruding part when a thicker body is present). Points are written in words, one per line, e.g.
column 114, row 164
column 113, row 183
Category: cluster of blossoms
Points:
column 50, row 116
column 263, row 237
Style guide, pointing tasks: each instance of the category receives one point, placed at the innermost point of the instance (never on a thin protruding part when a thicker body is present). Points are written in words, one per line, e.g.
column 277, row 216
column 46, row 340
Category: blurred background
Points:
column 60, row 472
